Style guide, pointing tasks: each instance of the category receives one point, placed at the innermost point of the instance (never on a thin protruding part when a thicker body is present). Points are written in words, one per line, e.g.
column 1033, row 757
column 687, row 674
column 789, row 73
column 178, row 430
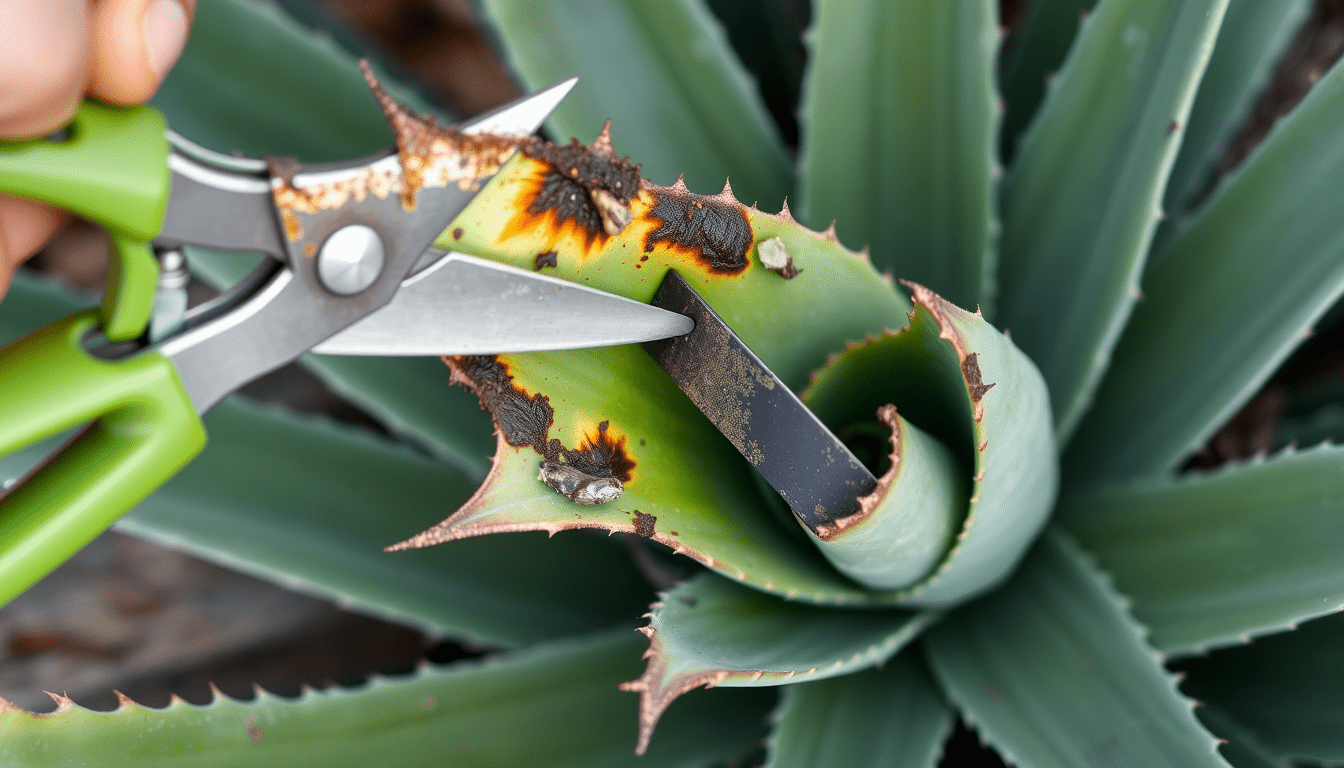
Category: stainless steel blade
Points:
column 463, row 305
column 801, row 459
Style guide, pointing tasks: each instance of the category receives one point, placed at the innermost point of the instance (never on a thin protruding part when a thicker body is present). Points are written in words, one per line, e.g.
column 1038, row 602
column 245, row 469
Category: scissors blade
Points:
column 220, row 201
column 462, row 305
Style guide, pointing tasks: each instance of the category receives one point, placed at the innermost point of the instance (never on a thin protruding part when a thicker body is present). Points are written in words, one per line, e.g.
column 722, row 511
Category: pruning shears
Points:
column 349, row 271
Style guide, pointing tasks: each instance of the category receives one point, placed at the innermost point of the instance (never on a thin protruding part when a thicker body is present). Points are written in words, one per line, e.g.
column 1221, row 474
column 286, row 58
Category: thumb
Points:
column 135, row 43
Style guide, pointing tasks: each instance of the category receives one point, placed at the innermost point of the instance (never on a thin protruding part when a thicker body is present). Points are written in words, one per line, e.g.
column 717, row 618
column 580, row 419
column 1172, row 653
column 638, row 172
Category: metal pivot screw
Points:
column 350, row 260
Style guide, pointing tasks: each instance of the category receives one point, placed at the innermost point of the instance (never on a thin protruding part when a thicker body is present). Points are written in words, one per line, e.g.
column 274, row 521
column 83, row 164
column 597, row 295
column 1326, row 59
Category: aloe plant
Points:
column 1034, row 560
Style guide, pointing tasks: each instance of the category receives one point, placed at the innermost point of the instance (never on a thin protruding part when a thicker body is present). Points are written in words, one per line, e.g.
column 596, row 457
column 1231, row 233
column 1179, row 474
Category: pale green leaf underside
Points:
column 890, row 717
column 665, row 75
column 1002, row 435
column 915, row 184
column 1081, row 200
column 1236, row 290
column 555, row 705
column 1250, row 43
column 1215, row 559
column 1053, row 672
column 1288, row 689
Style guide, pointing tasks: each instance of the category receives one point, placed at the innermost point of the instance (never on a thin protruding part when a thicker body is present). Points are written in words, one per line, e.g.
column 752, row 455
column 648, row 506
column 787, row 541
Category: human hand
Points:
column 53, row 53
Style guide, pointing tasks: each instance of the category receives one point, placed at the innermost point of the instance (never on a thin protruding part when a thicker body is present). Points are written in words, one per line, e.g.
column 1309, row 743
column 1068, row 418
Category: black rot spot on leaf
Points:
column 545, row 259
column 457, row 233
column 644, row 524
column 585, row 185
column 712, row 229
column 593, row 473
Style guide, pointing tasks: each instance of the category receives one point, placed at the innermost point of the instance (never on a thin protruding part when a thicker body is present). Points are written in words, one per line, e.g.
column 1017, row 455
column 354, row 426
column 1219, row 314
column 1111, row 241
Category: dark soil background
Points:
column 151, row 622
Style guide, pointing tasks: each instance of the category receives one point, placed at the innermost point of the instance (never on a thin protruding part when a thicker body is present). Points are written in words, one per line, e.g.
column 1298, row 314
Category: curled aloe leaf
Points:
column 712, row 632
column 962, row 381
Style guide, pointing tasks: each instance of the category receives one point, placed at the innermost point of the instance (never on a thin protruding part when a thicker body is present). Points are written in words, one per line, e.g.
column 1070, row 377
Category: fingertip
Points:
column 25, row 225
column 135, row 44
column 44, row 64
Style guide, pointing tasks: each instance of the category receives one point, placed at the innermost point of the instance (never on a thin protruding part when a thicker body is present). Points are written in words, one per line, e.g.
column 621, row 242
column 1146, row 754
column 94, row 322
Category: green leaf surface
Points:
column 1052, row 671
column 913, row 184
column 1325, row 425
column 890, row 717
column 1254, row 36
column 552, row 705
column 1033, row 51
column 311, row 504
column 1241, row 746
column 1288, row 689
column 711, row 632
column 958, row 378
column 664, row 74
column 1216, row 559
column 1081, row 201
column 1237, row 289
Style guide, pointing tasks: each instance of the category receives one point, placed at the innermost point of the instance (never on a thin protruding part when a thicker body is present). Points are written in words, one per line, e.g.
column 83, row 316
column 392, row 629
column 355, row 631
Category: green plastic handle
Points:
column 143, row 429
column 111, row 167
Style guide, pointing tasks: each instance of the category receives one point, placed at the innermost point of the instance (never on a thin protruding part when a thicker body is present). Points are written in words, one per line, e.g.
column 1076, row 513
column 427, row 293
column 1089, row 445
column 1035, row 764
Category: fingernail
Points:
column 166, row 26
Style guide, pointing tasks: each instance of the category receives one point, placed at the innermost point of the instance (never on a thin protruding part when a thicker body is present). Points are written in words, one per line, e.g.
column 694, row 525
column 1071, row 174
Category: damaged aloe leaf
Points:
column 711, row 632
column 684, row 485
column 992, row 480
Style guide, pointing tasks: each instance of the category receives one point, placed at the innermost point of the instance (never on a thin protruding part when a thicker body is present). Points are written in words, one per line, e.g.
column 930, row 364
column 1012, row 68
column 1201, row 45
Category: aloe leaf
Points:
column 1325, row 425
column 683, row 484
column 1236, row 290
column 1052, row 671
column 890, row 717
column 956, row 377
column 1285, row 688
column 713, row 632
column 561, row 700
column 1216, row 559
column 1034, row 50
column 664, row 74
column 1081, row 201
column 914, row 185
column 1250, row 43
column 311, row 504
column 1242, row 747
